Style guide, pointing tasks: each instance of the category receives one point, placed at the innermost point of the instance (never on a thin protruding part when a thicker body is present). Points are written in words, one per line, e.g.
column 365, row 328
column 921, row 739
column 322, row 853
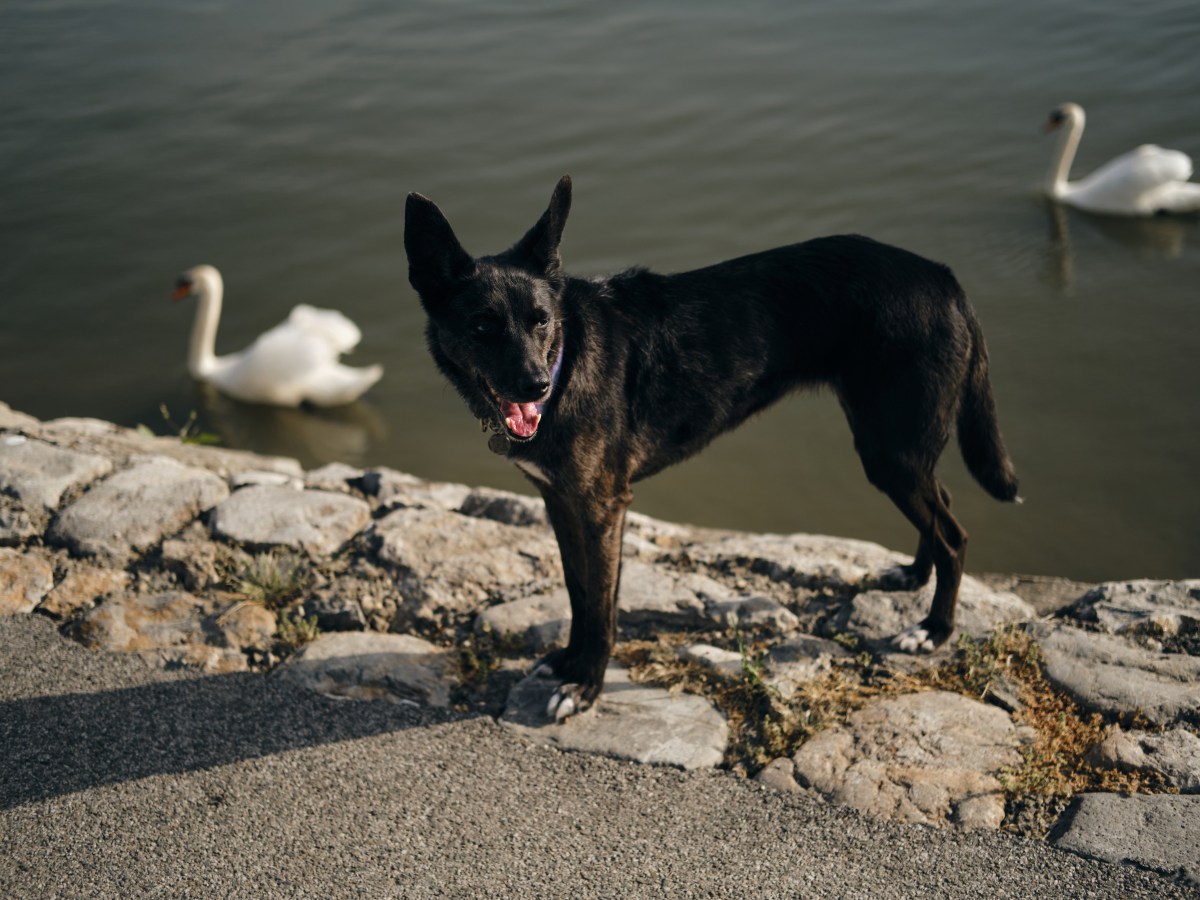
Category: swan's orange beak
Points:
column 182, row 291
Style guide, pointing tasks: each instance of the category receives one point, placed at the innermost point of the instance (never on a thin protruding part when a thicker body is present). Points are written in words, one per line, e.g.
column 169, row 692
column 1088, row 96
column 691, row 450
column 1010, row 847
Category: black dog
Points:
column 590, row 385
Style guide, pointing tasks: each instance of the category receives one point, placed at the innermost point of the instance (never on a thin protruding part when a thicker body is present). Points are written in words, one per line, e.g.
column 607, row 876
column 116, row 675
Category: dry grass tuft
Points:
column 763, row 726
column 1055, row 765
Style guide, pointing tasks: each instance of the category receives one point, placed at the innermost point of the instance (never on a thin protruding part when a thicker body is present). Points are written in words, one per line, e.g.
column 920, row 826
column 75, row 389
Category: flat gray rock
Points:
column 334, row 476
column 880, row 615
column 801, row 660
column 81, row 587
column 370, row 666
column 504, row 506
column 752, row 611
column 1159, row 832
column 393, row 489
column 1155, row 608
column 1113, row 675
column 449, row 561
column 169, row 629
column 125, row 444
column 24, row 580
column 15, row 420
column 337, row 605
column 931, row 757
column 317, row 522
column 38, row 474
column 129, row 622
column 133, row 510
column 257, row 478
column 1174, row 755
column 17, row 523
column 540, row 621
column 630, row 721
column 657, row 596
column 799, row 560
column 727, row 662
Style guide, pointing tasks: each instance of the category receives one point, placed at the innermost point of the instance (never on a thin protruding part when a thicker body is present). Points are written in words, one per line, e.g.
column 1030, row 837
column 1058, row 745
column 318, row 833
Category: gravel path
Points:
column 119, row 780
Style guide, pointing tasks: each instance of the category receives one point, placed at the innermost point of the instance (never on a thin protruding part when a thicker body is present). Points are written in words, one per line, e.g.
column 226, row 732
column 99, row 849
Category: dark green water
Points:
column 278, row 140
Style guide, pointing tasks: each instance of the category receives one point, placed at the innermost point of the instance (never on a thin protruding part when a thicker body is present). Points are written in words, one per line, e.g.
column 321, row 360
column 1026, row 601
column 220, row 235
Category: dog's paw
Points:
column 563, row 702
column 579, row 687
column 920, row 638
column 915, row 639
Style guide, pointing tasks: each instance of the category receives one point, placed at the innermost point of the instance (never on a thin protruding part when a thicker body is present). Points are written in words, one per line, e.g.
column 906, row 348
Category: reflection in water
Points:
column 1158, row 237
column 314, row 436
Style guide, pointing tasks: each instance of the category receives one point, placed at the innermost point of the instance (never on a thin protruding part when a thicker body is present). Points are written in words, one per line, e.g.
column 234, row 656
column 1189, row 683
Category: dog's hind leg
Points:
column 916, row 574
column 589, row 542
column 925, row 502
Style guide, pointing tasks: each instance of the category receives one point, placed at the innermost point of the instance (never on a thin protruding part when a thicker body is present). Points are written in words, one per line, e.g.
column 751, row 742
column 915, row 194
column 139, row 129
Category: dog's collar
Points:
column 500, row 440
column 554, row 372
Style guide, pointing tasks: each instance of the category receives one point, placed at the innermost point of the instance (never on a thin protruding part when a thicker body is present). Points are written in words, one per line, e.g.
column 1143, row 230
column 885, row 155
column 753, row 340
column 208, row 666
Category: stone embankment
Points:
column 764, row 654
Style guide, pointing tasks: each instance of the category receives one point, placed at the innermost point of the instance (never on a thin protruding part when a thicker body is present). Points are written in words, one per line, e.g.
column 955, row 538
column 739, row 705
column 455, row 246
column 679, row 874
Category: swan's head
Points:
column 197, row 280
column 1061, row 115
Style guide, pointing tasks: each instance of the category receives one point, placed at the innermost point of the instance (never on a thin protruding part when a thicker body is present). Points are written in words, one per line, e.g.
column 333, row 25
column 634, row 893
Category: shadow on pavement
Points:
column 71, row 742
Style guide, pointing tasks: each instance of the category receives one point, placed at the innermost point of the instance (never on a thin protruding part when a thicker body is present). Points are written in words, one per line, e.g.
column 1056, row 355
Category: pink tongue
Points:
column 521, row 418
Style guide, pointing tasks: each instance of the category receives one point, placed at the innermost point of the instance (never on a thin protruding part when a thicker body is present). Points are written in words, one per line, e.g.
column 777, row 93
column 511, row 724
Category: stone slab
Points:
column 931, row 757
column 540, row 621
column 315, row 522
column 369, row 666
column 800, row 660
column 727, row 662
column 800, row 560
column 130, row 623
column 629, row 721
column 1113, row 675
column 38, row 474
column 81, row 587
column 24, row 580
column 132, row 510
column 1174, row 755
column 1156, row 608
column 657, row 596
column 451, row 562
column 880, row 615
column 1159, row 832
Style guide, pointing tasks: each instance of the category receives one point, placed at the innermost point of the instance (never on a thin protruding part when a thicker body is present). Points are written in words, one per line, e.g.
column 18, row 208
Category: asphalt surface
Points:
column 119, row 780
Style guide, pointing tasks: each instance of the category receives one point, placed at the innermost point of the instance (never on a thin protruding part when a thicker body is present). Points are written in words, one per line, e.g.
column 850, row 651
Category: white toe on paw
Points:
column 561, row 704
column 914, row 640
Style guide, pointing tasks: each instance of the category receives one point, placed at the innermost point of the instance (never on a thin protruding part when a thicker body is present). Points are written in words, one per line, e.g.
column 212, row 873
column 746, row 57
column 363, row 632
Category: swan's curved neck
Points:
column 1064, row 155
column 202, row 356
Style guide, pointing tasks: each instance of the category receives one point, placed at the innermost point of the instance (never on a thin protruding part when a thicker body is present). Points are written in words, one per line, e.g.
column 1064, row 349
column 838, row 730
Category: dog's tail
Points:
column 978, row 429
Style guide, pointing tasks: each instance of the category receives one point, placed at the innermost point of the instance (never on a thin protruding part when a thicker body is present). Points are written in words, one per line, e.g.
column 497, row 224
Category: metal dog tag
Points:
column 498, row 444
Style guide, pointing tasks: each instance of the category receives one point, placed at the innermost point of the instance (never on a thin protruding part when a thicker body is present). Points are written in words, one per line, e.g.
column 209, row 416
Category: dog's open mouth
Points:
column 520, row 419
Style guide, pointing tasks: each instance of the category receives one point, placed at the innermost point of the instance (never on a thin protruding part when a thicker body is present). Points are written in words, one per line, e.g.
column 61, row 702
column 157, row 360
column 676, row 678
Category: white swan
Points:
column 1145, row 181
column 293, row 363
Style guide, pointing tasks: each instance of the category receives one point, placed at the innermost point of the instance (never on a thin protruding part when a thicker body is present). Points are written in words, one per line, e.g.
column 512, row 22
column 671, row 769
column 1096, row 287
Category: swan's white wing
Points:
column 1126, row 184
column 276, row 368
column 335, row 384
column 328, row 324
column 1175, row 196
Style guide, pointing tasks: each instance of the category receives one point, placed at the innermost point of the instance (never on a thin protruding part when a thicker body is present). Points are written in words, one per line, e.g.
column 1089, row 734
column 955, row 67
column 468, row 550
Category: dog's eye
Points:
column 484, row 326
column 541, row 320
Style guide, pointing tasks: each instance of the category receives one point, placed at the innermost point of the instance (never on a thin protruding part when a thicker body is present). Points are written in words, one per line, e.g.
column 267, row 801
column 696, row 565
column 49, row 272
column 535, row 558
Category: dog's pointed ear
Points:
column 538, row 250
column 435, row 257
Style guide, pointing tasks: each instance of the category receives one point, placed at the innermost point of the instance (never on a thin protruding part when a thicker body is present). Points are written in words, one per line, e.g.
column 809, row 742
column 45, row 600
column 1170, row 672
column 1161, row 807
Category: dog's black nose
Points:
column 536, row 387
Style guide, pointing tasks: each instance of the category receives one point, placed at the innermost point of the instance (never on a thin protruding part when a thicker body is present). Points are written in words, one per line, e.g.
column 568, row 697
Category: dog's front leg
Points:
column 589, row 541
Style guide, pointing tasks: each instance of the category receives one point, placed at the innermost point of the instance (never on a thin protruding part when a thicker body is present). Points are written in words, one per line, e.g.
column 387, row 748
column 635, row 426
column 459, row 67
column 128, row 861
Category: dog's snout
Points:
column 537, row 385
